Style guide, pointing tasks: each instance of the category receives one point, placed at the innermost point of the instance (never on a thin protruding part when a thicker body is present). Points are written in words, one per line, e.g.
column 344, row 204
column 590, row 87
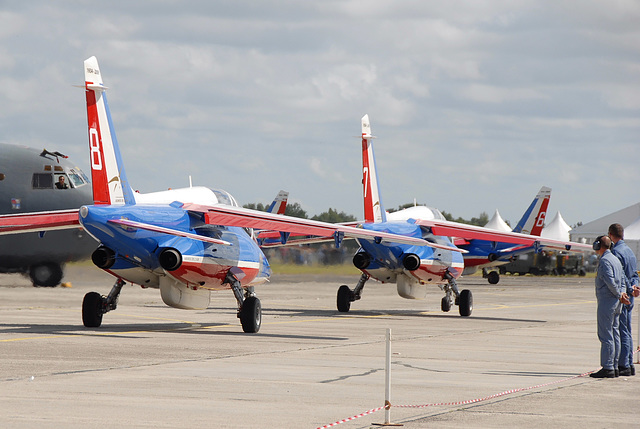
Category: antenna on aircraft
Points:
column 190, row 182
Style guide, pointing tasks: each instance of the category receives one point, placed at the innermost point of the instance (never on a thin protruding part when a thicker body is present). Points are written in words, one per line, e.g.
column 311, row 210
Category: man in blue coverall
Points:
column 609, row 294
column 629, row 268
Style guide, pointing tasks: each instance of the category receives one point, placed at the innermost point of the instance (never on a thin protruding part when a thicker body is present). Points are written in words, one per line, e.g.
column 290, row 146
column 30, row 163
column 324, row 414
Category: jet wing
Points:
column 472, row 232
column 39, row 221
column 237, row 216
column 154, row 228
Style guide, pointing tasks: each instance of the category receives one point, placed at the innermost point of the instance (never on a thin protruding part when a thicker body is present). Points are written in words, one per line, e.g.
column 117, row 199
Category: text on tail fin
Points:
column 534, row 217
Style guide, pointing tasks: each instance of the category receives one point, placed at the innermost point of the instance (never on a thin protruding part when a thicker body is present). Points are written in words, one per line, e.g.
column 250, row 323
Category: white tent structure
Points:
column 628, row 217
column 632, row 236
column 497, row 223
column 557, row 229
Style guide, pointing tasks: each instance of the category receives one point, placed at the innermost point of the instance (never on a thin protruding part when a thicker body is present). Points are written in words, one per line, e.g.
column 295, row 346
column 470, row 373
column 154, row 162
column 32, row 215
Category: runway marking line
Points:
column 505, row 306
column 195, row 325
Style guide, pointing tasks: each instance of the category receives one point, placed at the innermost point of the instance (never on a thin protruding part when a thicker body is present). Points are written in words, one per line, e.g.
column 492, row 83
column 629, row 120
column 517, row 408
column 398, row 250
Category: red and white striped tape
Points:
column 348, row 419
column 469, row 401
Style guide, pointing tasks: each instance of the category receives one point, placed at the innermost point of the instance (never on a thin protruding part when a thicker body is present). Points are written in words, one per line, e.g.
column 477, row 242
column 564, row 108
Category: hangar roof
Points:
column 624, row 217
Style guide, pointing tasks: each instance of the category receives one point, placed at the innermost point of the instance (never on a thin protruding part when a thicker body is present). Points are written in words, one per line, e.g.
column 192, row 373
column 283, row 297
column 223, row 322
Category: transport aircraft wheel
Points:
column 251, row 315
column 92, row 310
column 493, row 277
column 465, row 304
column 445, row 305
column 344, row 299
column 48, row 275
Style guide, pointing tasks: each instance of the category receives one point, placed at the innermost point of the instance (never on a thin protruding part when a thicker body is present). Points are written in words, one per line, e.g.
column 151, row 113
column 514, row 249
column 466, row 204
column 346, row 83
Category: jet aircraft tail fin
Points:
column 533, row 219
column 373, row 209
column 110, row 184
column 279, row 204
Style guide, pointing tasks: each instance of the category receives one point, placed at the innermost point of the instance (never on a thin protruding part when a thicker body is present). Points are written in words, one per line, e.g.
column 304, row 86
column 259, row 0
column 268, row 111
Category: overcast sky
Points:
column 475, row 104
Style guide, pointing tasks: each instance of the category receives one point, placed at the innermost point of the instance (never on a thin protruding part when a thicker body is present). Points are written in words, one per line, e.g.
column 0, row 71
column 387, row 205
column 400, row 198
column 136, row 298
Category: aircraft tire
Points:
column 251, row 315
column 92, row 310
column 445, row 305
column 493, row 277
column 465, row 304
column 344, row 299
column 47, row 275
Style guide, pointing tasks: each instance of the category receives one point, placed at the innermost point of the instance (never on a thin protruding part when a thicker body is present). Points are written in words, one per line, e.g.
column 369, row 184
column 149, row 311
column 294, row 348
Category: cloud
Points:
column 473, row 102
column 493, row 94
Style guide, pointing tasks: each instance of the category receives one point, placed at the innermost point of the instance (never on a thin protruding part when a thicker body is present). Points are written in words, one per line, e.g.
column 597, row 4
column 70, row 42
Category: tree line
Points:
column 333, row 216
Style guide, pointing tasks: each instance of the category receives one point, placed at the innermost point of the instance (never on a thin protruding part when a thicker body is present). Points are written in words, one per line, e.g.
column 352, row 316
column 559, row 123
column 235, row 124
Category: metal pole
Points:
column 387, row 380
column 387, row 387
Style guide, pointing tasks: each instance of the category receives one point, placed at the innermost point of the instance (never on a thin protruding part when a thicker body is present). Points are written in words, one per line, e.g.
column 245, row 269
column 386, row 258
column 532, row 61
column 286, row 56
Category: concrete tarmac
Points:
column 520, row 355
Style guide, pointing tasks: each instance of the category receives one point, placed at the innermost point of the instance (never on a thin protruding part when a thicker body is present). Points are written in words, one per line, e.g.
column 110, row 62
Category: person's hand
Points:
column 624, row 298
column 636, row 291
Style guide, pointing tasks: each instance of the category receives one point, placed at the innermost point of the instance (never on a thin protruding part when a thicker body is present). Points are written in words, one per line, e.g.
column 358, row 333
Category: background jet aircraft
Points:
column 37, row 180
column 413, row 268
column 486, row 254
column 483, row 247
column 185, row 242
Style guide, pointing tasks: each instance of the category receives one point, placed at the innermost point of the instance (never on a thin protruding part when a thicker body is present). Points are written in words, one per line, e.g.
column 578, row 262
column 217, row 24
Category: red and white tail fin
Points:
column 373, row 209
column 534, row 217
column 110, row 184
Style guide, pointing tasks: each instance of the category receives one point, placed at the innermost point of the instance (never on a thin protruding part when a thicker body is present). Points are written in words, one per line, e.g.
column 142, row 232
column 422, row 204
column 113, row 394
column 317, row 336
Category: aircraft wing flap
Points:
column 237, row 216
column 39, row 221
column 570, row 246
column 472, row 232
column 162, row 230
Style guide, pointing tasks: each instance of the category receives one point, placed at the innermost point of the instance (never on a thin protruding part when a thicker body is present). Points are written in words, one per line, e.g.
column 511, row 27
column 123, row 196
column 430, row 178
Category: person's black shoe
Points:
column 616, row 372
column 633, row 369
column 624, row 371
column 603, row 373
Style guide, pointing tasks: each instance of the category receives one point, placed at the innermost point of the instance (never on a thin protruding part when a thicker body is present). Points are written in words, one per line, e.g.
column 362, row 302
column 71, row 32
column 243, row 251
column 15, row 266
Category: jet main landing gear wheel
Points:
column 92, row 310
column 251, row 315
column 445, row 305
column 344, row 299
column 94, row 305
column 249, row 308
column 465, row 303
column 346, row 296
column 493, row 277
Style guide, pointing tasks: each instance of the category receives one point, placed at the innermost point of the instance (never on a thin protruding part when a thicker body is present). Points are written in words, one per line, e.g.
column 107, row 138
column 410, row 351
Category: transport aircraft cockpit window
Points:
column 42, row 181
column 76, row 179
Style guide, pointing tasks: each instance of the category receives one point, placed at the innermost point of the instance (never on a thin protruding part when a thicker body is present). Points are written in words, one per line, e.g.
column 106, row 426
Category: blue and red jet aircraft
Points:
column 412, row 267
column 184, row 242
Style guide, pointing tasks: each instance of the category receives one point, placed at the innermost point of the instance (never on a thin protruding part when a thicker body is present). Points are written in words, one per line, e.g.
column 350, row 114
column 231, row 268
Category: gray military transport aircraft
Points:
column 33, row 180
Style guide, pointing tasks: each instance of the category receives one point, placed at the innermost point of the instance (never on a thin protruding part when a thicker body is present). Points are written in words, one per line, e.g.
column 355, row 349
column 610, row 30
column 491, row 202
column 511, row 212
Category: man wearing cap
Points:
column 630, row 275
